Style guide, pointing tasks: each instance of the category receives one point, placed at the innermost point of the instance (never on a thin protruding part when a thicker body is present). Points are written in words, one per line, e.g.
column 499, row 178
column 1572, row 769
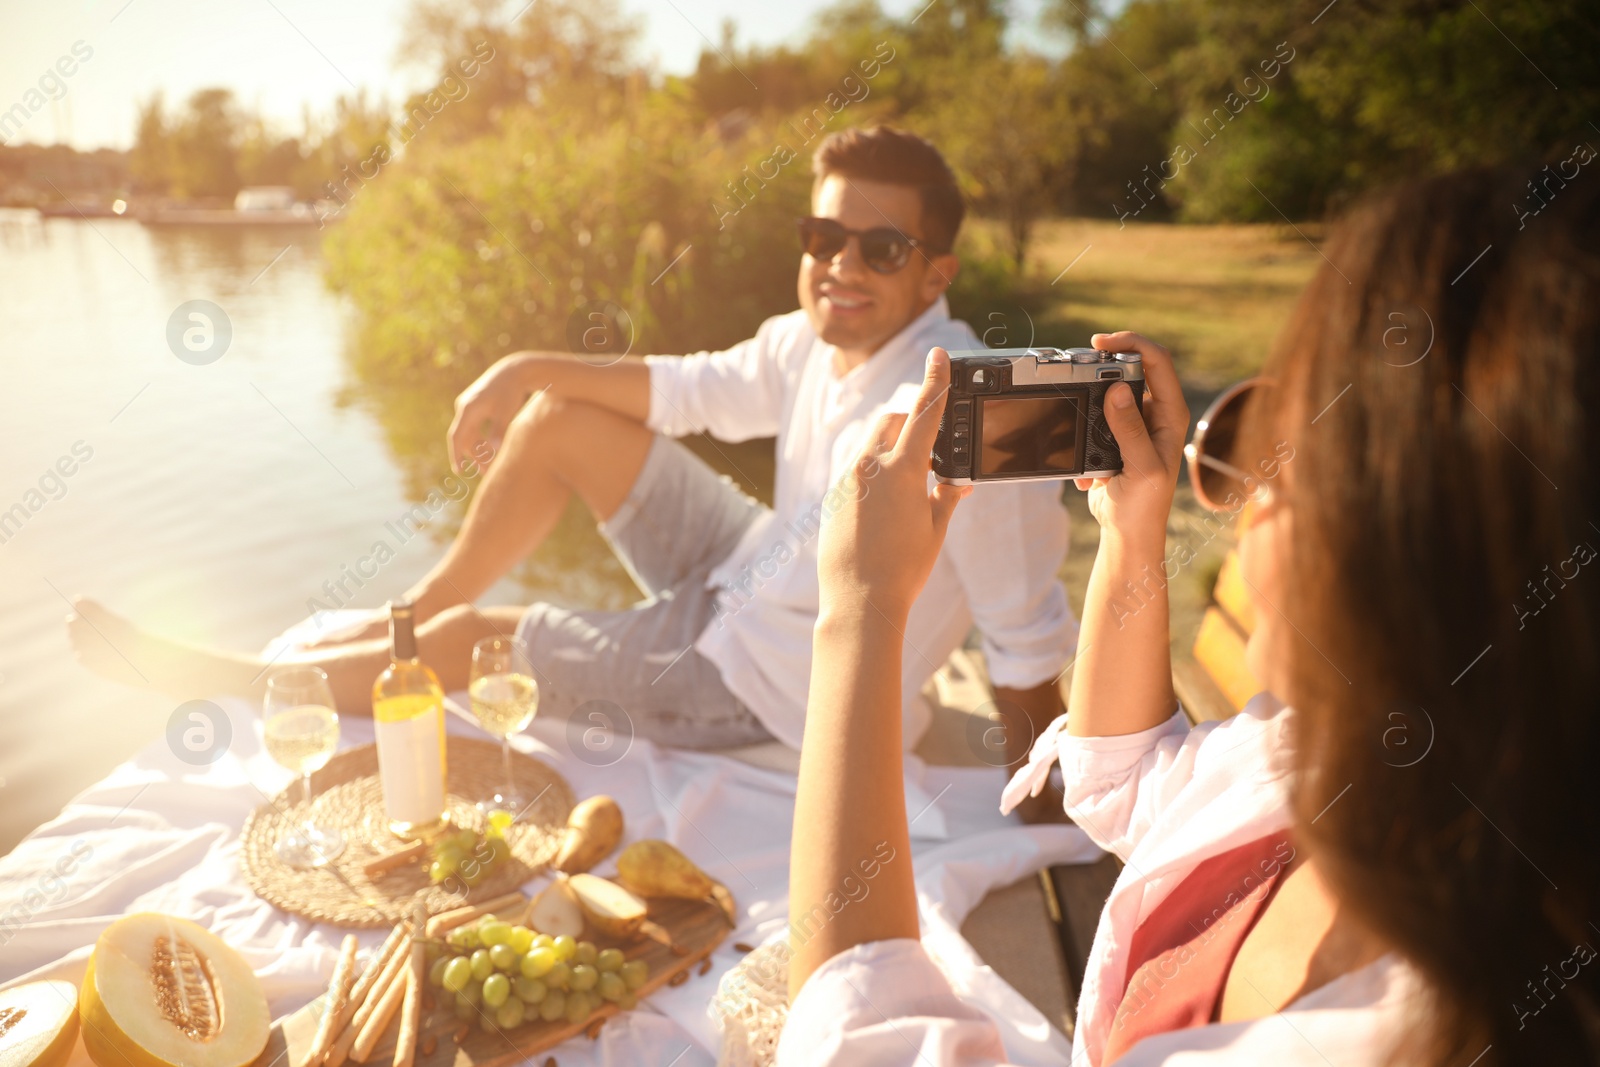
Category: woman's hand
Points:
column 879, row 545
column 1134, row 505
column 485, row 408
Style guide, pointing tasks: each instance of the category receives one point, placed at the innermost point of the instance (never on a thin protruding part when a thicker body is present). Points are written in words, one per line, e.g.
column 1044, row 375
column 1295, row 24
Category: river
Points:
column 208, row 502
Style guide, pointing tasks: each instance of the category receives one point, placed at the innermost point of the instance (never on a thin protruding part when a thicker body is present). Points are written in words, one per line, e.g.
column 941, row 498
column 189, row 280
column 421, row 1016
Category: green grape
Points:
column 543, row 941
column 499, row 822
column 502, row 957
column 436, row 972
column 529, row 990
column 473, row 994
column 495, row 933
column 565, row 948
column 610, row 959
column 508, row 1016
column 627, row 1002
column 465, row 1010
column 578, row 1007
column 537, row 963
column 559, row 976
column 457, row 973
column 586, row 952
column 438, row 872
column 583, row 978
column 553, row 1006
column 472, row 872
column 485, row 920
column 499, row 851
column 482, row 964
column 611, row 986
column 635, row 973
column 496, row 988
column 448, row 855
column 434, row 950
column 521, row 939
column 464, row 939
column 464, row 840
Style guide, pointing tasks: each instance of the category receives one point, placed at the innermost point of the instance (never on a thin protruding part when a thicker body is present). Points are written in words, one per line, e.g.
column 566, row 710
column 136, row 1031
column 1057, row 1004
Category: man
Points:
column 720, row 653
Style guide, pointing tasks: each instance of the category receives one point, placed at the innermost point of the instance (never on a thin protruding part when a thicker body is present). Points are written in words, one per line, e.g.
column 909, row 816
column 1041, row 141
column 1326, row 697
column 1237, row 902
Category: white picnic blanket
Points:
column 161, row 835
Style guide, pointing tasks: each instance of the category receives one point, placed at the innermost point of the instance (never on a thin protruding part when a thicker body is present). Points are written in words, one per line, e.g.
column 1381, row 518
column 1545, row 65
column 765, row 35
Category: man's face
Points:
column 850, row 304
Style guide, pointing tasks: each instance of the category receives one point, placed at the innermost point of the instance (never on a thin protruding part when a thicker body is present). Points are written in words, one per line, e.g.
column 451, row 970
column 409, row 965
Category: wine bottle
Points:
column 408, row 714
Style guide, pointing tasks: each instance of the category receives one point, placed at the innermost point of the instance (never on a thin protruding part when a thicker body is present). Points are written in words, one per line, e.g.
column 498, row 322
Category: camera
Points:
column 1031, row 414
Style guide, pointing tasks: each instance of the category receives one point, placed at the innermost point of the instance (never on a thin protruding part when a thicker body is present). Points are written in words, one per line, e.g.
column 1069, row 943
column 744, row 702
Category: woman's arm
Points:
column 850, row 811
column 1122, row 678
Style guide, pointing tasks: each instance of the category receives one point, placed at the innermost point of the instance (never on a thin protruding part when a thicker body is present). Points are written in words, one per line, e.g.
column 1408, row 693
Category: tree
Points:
column 1006, row 129
column 150, row 161
column 204, row 143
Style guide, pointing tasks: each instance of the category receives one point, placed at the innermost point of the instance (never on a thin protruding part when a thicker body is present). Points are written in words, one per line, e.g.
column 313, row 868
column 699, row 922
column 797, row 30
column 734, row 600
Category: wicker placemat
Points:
column 348, row 797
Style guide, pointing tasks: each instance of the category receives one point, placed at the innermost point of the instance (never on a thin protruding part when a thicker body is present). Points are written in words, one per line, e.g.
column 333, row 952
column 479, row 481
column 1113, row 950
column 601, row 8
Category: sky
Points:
column 279, row 56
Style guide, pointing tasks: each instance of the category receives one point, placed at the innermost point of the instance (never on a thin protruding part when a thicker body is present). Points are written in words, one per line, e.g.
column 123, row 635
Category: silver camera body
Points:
column 1031, row 414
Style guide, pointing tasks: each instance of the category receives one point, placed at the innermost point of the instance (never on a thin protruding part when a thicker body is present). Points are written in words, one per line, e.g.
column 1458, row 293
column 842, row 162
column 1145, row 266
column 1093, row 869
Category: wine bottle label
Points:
column 411, row 767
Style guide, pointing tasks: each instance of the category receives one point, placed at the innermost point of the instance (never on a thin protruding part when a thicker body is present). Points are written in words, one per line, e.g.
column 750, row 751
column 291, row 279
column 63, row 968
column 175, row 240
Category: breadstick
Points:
column 382, row 1015
column 405, row 1052
column 375, row 992
column 449, row 920
column 398, row 858
column 338, row 1045
column 338, row 995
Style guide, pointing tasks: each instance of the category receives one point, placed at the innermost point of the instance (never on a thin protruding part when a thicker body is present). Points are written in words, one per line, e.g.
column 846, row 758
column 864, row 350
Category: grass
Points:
column 1217, row 296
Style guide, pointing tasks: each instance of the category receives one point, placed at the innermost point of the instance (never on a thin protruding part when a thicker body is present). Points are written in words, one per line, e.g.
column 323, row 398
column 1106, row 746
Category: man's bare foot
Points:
column 115, row 648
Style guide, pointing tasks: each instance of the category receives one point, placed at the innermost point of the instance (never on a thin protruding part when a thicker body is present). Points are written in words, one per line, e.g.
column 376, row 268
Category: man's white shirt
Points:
column 1000, row 559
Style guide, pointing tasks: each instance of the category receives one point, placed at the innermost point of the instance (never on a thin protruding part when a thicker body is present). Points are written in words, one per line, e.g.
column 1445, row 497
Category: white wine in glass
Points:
column 504, row 699
column 301, row 732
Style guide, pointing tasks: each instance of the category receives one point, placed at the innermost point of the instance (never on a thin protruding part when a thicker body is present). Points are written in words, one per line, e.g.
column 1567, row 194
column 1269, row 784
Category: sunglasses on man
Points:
column 883, row 248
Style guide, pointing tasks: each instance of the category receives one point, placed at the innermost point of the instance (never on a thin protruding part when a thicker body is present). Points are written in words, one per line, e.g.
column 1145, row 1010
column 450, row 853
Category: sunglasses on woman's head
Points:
column 1216, row 464
column 884, row 248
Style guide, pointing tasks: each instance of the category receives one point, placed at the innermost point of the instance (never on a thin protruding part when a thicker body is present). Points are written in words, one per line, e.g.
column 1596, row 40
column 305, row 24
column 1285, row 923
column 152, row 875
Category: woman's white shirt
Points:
column 1163, row 800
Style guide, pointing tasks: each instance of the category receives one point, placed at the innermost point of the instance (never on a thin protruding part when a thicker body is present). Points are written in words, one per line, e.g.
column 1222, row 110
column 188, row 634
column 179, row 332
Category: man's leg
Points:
column 552, row 449
column 112, row 646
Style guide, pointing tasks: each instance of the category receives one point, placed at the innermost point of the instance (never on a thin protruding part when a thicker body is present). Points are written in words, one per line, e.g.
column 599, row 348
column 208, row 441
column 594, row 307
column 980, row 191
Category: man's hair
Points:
column 885, row 154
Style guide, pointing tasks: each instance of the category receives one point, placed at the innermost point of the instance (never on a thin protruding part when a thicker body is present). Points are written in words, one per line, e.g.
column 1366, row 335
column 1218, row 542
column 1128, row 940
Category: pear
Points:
column 38, row 1024
column 556, row 912
column 657, row 869
column 611, row 908
column 593, row 830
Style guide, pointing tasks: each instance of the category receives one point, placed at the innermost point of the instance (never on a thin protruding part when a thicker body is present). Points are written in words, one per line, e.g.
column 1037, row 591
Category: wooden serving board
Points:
column 695, row 928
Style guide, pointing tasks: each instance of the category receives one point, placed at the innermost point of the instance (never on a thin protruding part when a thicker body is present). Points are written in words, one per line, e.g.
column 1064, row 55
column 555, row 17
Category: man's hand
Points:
column 485, row 409
column 880, row 544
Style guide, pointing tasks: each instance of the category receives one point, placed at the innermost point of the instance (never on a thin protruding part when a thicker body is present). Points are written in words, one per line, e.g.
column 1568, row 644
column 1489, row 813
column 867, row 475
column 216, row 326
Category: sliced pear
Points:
column 611, row 908
column 166, row 992
column 556, row 911
column 38, row 1024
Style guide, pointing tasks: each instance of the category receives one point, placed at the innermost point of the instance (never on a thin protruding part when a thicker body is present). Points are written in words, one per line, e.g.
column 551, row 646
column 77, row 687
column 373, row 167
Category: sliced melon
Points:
column 165, row 992
column 38, row 1024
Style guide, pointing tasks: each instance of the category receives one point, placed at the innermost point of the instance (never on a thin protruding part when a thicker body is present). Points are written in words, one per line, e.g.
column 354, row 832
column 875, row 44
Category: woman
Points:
column 1403, row 869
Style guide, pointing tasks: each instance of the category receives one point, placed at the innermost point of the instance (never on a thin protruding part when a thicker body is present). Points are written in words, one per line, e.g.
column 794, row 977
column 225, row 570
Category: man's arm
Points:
column 487, row 406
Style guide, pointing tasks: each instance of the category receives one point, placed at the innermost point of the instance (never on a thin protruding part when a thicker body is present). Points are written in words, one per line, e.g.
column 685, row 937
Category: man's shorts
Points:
column 636, row 672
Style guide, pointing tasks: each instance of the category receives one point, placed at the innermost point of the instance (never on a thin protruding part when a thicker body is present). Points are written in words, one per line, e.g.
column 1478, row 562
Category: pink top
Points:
column 1181, row 954
column 1165, row 800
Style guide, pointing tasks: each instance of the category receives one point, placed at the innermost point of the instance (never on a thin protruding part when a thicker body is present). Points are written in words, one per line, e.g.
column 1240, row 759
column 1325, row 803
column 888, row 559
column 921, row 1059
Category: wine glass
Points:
column 504, row 698
column 302, row 731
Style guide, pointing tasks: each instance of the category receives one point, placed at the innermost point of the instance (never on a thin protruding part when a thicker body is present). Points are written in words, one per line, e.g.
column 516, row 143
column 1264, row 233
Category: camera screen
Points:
column 1030, row 435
